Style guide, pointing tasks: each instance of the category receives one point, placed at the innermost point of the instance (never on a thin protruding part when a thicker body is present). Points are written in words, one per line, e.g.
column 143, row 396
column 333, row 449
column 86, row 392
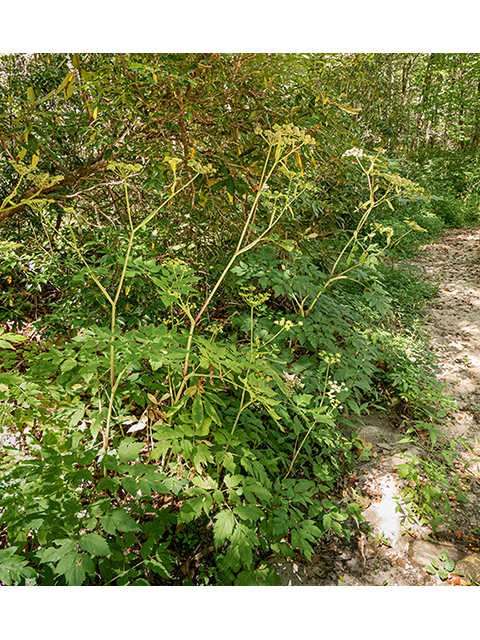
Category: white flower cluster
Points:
column 332, row 393
column 356, row 153
column 292, row 380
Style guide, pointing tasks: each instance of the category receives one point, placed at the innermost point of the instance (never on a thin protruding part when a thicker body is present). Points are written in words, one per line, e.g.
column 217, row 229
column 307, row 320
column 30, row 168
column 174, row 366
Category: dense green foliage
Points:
column 198, row 295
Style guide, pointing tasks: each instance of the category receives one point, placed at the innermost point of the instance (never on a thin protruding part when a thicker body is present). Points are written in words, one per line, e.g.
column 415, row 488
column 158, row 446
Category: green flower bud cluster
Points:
column 40, row 180
column 123, row 169
column 285, row 135
column 44, row 180
column 173, row 162
column 413, row 225
column 204, row 169
column 381, row 229
column 174, row 263
column 251, row 298
column 287, row 324
column 330, row 358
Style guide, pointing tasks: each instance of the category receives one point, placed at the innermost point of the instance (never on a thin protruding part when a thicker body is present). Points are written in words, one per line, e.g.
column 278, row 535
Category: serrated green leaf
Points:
column 254, row 490
column 66, row 562
column 201, row 456
column 129, row 450
column 233, row 481
column 223, row 526
column 14, row 568
column 95, row 544
column 218, row 496
column 191, row 509
column 130, row 485
column 53, row 554
column 248, row 512
column 204, row 428
column 120, row 520
column 75, row 575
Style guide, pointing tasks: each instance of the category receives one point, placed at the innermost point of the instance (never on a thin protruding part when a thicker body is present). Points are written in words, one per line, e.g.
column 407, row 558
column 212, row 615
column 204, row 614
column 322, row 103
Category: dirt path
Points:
column 390, row 556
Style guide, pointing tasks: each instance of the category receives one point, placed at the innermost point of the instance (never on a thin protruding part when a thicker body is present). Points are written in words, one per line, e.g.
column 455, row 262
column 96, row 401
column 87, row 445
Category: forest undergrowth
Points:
column 195, row 307
column 188, row 449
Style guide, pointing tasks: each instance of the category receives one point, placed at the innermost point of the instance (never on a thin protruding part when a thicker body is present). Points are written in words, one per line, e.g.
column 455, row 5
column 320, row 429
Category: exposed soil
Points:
column 390, row 555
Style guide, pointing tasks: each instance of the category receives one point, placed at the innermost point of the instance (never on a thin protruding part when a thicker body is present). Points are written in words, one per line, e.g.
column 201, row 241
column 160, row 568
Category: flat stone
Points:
column 469, row 567
column 420, row 552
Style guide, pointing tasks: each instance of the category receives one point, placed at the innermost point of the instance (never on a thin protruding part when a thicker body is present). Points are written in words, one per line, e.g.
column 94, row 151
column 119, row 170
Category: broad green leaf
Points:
column 449, row 565
column 95, row 544
column 211, row 411
column 248, row 512
column 67, row 365
column 429, row 569
column 233, row 481
column 14, row 568
column 204, row 428
column 31, row 95
column 254, row 490
column 77, row 415
column 197, row 411
column 12, row 337
column 69, row 89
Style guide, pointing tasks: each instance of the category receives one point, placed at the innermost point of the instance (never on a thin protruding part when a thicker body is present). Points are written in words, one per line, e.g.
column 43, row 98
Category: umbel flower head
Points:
column 285, row 135
column 356, row 153
column 124, row 169
column 198, row 167
column 413, row 225
column 251, row 298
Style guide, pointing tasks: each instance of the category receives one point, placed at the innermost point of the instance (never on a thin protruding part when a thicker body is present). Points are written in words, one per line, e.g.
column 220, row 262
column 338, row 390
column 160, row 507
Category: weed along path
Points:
column 398, row 551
